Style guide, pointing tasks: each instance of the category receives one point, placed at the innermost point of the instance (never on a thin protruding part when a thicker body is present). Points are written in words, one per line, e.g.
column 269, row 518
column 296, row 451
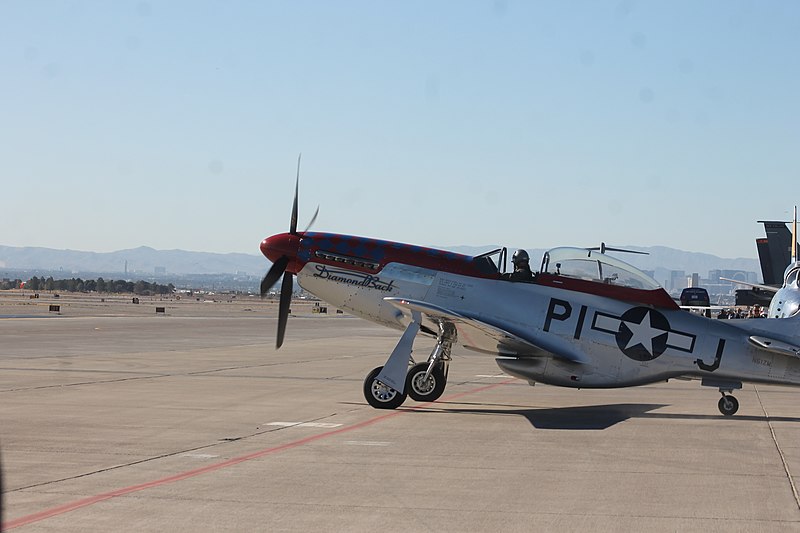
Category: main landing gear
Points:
column 379, row 395
column 425, row 382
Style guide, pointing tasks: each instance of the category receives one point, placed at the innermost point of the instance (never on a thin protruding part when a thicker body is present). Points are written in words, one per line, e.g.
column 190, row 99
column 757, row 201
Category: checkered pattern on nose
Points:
column 382, row 252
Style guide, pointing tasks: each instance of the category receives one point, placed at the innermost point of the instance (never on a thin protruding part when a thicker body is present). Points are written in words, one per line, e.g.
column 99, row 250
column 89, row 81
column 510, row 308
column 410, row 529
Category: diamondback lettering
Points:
column 356, row 279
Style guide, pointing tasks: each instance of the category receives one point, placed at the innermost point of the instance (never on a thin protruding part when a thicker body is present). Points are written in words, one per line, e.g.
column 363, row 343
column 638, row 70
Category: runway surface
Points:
column 115, row 419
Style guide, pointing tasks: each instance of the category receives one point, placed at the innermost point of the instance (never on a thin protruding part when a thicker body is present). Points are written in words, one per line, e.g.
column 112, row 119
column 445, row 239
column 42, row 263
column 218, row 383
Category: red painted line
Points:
column 66, row 508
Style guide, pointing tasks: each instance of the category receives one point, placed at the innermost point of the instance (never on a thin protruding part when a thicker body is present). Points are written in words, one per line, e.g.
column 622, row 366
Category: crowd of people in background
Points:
column 755, row 311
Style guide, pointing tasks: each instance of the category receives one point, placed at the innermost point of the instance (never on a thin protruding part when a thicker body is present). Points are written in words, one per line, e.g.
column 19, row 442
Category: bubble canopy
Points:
column 591, row 265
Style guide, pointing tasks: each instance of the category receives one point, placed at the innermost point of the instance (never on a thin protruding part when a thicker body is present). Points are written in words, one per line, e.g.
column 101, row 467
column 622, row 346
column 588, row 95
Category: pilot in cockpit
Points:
column 522, row 268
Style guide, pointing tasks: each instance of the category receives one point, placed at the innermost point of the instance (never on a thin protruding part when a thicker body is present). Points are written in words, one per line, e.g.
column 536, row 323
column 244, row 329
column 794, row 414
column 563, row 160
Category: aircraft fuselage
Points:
column 628, row 343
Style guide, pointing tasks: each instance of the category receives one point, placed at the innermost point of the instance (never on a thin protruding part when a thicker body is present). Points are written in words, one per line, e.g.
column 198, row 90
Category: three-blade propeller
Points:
column 278, row 269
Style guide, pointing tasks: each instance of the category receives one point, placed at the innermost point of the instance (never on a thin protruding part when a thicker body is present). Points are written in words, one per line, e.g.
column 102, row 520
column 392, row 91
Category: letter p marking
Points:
column 563, row 313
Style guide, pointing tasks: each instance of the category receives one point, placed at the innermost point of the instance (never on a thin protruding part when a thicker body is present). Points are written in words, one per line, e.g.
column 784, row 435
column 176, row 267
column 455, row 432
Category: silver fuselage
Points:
column 625, row 343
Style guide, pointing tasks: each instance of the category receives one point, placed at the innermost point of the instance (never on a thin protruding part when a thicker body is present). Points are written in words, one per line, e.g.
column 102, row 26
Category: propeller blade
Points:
column 278, row 268
column 313, row 219
column 293, row 221
column 283, row 309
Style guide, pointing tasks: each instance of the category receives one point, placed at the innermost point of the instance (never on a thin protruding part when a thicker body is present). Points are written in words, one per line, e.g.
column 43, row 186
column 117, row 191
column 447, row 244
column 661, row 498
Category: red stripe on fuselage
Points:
column 656, row 298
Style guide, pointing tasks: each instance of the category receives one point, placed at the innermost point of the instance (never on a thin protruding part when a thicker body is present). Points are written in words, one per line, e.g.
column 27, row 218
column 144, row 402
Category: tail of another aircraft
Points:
column 774, row 252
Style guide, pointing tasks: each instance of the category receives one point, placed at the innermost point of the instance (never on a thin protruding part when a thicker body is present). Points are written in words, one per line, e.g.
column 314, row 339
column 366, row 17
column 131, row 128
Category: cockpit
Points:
column 584, row 270
column 591, row 265
column 578, row 263
column 486, row 265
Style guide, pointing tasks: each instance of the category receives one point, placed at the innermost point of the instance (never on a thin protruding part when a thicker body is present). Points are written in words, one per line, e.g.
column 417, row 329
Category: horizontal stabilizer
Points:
column 772, row 345
column 767, row 288
column 492, row 338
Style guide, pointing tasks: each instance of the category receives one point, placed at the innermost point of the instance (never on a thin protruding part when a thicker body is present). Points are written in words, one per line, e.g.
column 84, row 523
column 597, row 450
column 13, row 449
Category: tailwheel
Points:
column 379, row 395
column 425, row 390
column 728, row 405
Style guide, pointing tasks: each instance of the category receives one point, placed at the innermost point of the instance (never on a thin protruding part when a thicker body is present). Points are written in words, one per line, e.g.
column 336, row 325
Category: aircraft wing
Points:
column 771, row 345
column 483, row 336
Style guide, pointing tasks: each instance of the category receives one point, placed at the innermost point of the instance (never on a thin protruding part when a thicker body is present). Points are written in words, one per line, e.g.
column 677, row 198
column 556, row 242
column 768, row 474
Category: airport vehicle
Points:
column 587, row 320
column 695, row 297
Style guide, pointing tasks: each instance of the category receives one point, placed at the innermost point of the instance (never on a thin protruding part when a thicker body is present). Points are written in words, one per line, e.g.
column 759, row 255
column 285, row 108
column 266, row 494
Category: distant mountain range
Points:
column 145, row 260
column 142, row 260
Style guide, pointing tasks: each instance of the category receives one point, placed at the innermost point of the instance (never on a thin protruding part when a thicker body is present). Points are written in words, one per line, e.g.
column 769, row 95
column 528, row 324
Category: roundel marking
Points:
column 643, row 333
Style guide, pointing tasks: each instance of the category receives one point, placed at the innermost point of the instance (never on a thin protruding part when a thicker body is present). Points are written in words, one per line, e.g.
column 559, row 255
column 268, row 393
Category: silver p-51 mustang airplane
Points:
column 587, row 320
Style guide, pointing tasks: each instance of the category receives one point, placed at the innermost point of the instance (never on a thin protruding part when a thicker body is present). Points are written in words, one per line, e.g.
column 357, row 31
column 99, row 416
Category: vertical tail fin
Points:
column 775, row 252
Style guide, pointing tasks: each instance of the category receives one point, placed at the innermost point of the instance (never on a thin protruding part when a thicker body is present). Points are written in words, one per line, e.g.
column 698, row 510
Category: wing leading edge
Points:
column 483, row 336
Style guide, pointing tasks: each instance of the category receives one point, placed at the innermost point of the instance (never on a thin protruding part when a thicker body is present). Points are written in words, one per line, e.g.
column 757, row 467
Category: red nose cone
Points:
column 283, row 244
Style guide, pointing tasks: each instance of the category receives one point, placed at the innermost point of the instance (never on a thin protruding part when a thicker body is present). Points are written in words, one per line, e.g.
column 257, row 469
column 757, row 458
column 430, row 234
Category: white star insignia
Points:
column 643, row 333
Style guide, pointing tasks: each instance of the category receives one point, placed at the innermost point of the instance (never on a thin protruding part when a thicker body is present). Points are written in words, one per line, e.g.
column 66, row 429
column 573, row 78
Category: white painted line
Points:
column 199, row 455
column 366, row 443
column 322, row 425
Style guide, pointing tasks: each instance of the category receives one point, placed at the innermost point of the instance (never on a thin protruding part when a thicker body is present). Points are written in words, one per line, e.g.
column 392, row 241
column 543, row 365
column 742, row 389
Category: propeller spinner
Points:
column 281, row 250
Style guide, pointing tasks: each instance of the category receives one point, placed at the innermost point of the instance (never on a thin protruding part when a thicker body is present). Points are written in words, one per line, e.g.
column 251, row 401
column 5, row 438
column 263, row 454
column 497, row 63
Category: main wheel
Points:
column 425, row 390
column 728, row 405
column 379, row 395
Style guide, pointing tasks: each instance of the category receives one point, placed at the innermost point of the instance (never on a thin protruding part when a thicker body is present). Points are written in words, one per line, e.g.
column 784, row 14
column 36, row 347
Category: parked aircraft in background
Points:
column 774, row 253
column 785, row 301
column 587, row 320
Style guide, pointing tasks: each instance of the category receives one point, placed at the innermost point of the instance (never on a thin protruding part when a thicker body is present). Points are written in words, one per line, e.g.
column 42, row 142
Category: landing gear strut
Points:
column 425, row 382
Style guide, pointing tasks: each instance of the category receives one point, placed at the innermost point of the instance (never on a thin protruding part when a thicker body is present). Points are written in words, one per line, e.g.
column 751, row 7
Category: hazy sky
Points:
column 177, row 124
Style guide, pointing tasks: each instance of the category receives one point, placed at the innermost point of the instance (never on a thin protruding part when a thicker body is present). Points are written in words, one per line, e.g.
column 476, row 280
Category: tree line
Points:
column 91, row 285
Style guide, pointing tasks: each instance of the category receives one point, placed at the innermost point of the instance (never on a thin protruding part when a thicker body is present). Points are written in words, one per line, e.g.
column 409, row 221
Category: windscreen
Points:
column 591, row 265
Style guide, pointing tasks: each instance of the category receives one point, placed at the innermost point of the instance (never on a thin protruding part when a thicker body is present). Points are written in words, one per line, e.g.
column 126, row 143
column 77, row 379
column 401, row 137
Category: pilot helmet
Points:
column 520, row 256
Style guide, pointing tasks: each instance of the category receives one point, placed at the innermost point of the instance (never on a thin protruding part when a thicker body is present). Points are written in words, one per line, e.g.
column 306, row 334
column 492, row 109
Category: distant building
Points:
column 677, row 280
column 694, row 280
column 739, row 275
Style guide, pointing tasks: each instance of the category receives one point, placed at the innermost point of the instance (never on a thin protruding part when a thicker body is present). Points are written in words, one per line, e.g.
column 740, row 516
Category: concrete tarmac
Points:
column 113, row 418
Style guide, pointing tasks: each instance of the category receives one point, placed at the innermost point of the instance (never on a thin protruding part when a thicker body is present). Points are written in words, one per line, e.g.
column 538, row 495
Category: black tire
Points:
column 425, row 391
column 381, row 396
column 728, row 405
